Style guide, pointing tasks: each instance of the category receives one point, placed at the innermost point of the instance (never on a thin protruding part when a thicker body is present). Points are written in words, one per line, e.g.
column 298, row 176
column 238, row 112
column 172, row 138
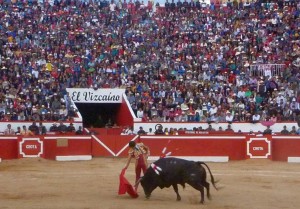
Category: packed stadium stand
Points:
column 179, row 62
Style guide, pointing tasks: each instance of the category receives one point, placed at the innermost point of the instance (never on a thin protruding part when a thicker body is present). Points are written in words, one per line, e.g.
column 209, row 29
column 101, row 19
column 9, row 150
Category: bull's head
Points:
column 149, row 183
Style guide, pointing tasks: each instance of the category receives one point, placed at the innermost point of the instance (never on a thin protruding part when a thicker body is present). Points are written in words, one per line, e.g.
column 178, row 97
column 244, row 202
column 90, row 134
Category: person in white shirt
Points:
column 294, row 105
column 241, row 106
column 184, row 106
column 119, row 4
column 150, row 132
column 255, row 118
column 199, row 110
column 9, row 130
column 229, row 117
column 280, row 97
column 267, row 71
column 112, row 6
column 140, row 113
column 35, row 73
column 241, row 93
column 213, row 110
column 51, row 2
column 204, row 66
column 203, row 4
column 214, row 118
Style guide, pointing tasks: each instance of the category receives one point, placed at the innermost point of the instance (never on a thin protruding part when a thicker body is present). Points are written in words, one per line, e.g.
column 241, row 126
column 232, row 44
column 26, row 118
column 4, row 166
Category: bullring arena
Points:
column 33, row 183
column 210, row 80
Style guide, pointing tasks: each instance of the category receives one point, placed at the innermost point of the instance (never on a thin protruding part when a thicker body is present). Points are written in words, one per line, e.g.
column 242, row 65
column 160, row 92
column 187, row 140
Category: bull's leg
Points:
column 200, row 188
column 206, row 185
column 175, row 187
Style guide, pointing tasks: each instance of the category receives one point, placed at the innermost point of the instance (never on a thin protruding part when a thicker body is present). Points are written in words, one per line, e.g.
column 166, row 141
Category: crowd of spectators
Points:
column 187, row 61
column 39, row 129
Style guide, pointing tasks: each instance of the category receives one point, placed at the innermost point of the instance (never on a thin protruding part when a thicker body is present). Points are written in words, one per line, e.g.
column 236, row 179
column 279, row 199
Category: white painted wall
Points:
column 244, row 127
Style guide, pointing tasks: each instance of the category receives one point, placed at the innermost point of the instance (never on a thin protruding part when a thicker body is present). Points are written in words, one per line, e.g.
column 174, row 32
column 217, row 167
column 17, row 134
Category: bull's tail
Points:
column 212, row 179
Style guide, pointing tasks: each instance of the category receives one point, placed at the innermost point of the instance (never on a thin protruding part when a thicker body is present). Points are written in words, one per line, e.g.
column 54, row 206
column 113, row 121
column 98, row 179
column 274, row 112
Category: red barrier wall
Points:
column 235, row 147
column 8, row 147
column 284, row 147
column 110, row 145
column 231, row 146
column 67, row 146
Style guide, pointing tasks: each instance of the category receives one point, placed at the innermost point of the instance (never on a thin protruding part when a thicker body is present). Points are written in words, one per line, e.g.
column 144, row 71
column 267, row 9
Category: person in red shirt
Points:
column 232, row 78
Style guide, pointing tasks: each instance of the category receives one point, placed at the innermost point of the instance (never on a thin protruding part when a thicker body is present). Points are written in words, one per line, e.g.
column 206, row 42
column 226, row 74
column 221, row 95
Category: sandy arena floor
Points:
column 42, row 184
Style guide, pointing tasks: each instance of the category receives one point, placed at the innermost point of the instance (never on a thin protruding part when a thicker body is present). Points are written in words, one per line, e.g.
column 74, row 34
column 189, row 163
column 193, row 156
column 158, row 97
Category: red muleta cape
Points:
column 125, row 186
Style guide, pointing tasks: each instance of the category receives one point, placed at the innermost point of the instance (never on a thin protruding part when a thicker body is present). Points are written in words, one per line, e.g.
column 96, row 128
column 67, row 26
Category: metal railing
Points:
column 267, row 69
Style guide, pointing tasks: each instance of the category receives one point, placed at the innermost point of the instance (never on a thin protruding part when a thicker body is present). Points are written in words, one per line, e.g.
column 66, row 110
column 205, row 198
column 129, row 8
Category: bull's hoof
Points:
column 147, row 196
column 202, row 202
column 209, row 197
column 178, row 198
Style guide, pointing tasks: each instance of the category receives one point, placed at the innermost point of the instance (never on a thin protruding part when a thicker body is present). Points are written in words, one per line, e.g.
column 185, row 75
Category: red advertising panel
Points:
column 259, row 147
column 30, row 147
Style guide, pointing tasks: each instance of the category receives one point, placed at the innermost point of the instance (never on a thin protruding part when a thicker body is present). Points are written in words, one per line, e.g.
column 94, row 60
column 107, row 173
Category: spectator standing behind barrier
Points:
column 26, row 132
column 18, row 131
column 150, row 132
column 268, row 130
column 284, row 131
column 298, row 131
column 71, row 128
column 229, row 128
column 293, row 131
column 33, row 128
column 41, row 129
column 166, row 131
column 62, row 128
column 159, row 130
column 210, row 128
column 9, row 130
column 54, row 127
column 141, row 131
column 79, row 131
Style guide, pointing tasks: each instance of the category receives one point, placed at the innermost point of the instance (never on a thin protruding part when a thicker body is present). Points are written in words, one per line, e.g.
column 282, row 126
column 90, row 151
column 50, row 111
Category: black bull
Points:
column 167, row 172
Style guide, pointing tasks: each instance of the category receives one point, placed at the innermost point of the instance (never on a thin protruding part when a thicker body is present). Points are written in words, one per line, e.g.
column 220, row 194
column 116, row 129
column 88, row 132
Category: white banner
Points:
column 85, row 95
